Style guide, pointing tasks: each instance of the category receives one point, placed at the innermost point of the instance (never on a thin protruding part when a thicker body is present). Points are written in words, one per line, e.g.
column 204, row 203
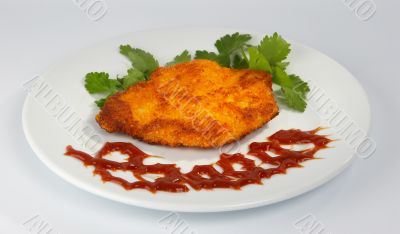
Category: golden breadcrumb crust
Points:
column 194, row 104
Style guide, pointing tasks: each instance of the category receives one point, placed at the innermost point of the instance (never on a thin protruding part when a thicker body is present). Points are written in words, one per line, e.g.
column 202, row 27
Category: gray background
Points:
column 363, row 199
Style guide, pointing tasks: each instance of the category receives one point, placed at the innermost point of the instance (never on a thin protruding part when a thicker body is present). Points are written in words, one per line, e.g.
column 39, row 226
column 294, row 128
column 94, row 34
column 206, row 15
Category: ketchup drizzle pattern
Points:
column 206, row 176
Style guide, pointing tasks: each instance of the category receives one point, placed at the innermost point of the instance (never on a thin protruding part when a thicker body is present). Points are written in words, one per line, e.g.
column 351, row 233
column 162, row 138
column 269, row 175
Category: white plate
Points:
column 48, row 136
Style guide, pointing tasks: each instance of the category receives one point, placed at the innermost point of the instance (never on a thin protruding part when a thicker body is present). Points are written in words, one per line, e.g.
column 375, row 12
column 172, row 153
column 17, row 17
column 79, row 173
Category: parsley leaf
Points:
column 143, row 65
column 230, row 43
column 134, row 76
column 183, row 57
column 294, row 99
column 257, row 60
column 203, row 54
column 282, row 65
column 99, row 82
column 223, row 60
column 280, row 77
column 293, row 89
column 299, row 85
column 100, row 102
column 239, row 62
column 274, row 48
column 226, row 46
column 141, row 60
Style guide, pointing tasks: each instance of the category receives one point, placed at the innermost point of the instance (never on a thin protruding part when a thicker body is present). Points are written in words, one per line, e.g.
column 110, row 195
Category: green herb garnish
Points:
column 143, row 64
column 233, row 51
column 183, row 57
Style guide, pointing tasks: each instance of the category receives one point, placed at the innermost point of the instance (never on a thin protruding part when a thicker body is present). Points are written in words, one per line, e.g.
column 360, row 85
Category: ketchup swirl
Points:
column 206, row 176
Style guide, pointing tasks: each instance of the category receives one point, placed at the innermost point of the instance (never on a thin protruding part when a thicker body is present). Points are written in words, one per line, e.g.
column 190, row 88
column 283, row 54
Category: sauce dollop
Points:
column 206, row 176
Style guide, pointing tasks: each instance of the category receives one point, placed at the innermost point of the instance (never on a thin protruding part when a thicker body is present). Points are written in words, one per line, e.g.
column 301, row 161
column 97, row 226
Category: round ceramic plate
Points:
column 61, row 90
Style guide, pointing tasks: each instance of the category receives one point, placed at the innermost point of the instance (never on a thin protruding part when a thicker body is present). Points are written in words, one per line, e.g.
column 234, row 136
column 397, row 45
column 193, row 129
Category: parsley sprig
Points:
column 233, row 51
column 143, row 64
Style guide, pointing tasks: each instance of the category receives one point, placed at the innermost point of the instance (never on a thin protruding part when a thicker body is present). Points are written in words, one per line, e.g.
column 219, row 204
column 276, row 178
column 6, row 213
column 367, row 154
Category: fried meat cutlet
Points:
column 194, row 104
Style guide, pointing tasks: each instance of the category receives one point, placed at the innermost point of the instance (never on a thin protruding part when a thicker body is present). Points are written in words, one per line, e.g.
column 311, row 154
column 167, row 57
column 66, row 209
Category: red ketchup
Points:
column 206, row 176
